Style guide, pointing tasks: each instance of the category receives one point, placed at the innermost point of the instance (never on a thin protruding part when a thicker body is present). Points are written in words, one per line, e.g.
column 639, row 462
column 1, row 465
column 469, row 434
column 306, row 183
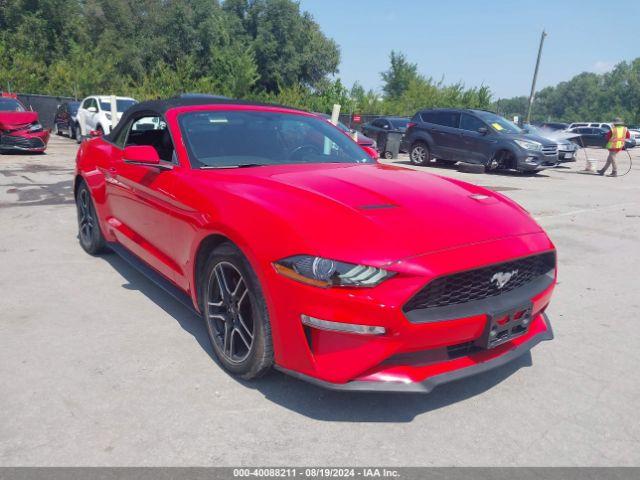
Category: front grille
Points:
column 480, row 283
column 550, row 150
column 20, row 142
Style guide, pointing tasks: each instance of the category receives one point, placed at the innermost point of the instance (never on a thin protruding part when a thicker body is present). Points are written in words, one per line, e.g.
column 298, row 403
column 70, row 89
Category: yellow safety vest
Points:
column 618, row 137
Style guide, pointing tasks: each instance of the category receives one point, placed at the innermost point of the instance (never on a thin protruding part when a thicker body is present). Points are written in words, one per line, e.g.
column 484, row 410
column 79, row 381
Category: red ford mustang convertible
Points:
column 302, row 253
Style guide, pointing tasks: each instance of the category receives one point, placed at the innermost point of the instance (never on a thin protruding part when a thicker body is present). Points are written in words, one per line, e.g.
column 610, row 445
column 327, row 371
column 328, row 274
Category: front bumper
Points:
column 535, row 160
column 24, row 141
column 509, row 354
column 567, row 156
column 415, row 354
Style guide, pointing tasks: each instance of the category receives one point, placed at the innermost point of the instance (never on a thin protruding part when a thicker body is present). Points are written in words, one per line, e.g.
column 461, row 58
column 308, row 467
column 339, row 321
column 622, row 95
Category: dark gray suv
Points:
column 477, row 136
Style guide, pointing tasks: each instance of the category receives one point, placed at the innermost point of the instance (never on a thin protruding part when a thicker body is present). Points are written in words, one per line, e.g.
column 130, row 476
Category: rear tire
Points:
column 78, row 133
column 420, row 153
column 89, row 233
column 235, row 313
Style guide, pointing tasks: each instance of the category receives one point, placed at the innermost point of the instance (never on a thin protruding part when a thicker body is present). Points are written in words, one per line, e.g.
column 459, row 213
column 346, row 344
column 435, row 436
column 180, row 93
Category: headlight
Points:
column 108, row 115
column 35, row 127
column 323, row 272
column 529, row 145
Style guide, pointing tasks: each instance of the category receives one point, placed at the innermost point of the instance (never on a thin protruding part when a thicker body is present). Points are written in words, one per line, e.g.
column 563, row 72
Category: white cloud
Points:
column 602, row 66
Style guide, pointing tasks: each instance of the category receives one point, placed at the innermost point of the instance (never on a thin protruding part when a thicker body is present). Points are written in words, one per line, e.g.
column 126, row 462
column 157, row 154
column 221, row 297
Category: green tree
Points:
column 400, row 74
column 288, row 44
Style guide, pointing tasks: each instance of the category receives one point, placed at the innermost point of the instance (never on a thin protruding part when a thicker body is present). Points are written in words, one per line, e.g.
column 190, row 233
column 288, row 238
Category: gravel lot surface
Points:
column 100, row 367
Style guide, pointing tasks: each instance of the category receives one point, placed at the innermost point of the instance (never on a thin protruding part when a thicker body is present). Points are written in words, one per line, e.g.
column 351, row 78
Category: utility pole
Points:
column 535, row 77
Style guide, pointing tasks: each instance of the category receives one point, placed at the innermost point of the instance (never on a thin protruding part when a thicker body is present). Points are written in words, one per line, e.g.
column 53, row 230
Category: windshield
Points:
column 533, row 129
column 498, row 123
column 399, row 123
column 73, row 107
column 11, row 105
column 122, row 105
column 226, row 139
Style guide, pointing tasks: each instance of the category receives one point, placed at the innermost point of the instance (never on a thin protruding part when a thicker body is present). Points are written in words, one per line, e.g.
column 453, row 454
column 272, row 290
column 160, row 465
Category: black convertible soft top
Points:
column 155, row 107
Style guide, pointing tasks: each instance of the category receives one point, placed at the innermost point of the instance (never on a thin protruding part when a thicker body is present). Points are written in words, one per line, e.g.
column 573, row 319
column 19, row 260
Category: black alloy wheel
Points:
column 235, row 314
column 89, row 234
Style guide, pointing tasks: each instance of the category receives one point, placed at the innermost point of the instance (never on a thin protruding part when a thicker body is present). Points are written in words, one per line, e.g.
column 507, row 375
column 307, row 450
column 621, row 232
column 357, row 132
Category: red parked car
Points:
column 20, row 129
column 301, row 252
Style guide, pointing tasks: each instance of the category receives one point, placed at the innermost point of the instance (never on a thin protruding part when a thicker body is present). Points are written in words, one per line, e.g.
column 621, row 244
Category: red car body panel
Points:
column 420, row 226
column 15, row 127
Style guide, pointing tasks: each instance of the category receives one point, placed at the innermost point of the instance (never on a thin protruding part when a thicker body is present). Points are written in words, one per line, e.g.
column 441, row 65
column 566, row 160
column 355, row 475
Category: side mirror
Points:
column 92, row 109
column 483, row 130
column 95, row 133
column 372, row 152
column 144, row 155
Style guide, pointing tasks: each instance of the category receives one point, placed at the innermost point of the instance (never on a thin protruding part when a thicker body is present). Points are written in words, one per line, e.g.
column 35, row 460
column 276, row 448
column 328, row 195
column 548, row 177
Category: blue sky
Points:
column 490, row 42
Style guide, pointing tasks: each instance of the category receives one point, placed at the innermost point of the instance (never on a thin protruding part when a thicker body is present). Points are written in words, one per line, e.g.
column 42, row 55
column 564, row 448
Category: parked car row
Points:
column 596, row 136
column 484, row 138
column 477, row 137
column 79, row 119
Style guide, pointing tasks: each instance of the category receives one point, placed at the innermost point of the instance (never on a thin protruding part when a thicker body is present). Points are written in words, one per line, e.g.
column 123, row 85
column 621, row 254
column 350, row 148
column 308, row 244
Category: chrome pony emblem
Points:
column 502, row 278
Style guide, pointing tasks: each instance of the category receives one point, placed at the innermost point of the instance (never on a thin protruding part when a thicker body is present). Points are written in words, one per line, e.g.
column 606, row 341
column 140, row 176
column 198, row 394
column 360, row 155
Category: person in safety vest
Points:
column 615, row 142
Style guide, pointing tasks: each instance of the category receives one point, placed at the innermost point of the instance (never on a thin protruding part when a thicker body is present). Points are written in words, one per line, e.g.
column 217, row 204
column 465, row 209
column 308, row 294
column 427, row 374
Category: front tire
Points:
column 235, row 313
column 89, row 233
column 78, row 133
column 420, row 154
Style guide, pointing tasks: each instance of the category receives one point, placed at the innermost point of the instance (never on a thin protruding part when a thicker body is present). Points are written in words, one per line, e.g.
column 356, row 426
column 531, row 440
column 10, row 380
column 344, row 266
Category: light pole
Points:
column 535, row 77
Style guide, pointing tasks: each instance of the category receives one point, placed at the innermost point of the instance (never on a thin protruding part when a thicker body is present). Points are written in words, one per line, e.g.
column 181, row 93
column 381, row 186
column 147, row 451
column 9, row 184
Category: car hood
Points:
column 16, row 120
column 536, row 138
column 379, row 213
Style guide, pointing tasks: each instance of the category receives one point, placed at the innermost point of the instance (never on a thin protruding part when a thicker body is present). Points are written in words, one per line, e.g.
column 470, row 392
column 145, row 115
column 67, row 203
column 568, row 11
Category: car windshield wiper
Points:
column 242, row 165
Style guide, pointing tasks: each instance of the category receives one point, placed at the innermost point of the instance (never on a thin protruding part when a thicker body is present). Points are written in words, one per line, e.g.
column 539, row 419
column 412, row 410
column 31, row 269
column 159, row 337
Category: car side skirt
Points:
column 153, row 276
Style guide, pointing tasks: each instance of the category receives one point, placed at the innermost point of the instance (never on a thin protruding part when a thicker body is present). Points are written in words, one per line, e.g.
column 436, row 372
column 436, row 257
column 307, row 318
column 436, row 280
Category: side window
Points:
column 377, row 123
column 447, row 119
column 86, row 103
column 385, row 124
column 153, row 131
column 428, row 117
column 471, row 123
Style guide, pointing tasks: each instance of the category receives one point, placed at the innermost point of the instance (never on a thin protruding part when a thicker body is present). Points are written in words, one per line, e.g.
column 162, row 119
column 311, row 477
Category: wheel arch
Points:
column 204, row 248
column 421, row 138
column 504, row 150
column 78, row 179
